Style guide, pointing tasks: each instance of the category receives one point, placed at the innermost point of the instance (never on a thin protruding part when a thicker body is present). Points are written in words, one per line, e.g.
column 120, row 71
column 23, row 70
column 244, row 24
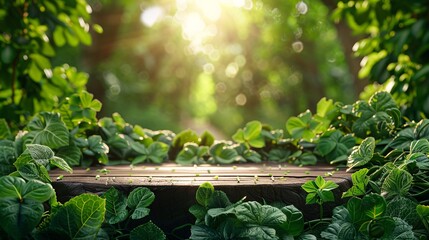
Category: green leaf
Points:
column 157, row 152
column 59, row 38
column 360, row 180
column 40, row 153
column 373, row 205
column 7, row 158
column 419, row 146
column 377, row 116
column 402, row 230
column 403, row 208
column 80, row 218
column 198, row 211
column 29, row 169
column 260, row 232
column 279, row 155
column 218, row 200
column 261, row 215
column 191, row 154
column 303, row 126
column 48, row 129
column 251, row 135
column 61, row 164
column 356, row 212
column 19, row 219
column 21, row 204
column 295, row 220
column 4, row 130
column 147, row 231
column 138, row 200
column 116, row 206
column 397, row 183
column 362, row 154
column 223, row 154
column 423, row 212
column 202, row 232
column 84, row 107
column 204, row 193
column 206, row 139
column 306, row 159
column 333, row 144
column 70, row 154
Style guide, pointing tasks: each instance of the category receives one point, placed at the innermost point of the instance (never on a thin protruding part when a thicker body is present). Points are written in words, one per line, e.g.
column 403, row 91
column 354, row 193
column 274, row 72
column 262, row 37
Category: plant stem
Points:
column 321, row 211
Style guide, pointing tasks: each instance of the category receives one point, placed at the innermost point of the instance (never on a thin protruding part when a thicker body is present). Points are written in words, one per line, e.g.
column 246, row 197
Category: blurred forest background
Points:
column 216, row 64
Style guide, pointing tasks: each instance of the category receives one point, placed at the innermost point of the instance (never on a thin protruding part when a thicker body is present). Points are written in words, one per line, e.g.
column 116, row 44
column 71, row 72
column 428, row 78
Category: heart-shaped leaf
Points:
column 48, row 129
column 362, row 154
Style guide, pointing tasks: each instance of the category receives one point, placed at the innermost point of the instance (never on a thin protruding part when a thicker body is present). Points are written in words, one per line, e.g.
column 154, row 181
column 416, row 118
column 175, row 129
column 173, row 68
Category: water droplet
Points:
column 298, row 46
column 302, row 7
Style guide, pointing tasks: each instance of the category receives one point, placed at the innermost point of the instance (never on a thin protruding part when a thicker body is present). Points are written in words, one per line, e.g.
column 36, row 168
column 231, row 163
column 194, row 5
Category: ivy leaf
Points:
column 261, row 215
column 250, row 135
column 360, row 180
column 204, row 193
column 397, row 183
column 220, row 153
column 295, row 220
column 147, row 231
column 362, row 154
column 116, row 206
column 138, row 200
column 21, row 204
column 80, row 218
column 48, row 129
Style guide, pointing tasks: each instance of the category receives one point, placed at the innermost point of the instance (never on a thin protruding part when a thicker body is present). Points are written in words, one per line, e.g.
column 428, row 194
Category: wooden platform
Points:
column 175, row 186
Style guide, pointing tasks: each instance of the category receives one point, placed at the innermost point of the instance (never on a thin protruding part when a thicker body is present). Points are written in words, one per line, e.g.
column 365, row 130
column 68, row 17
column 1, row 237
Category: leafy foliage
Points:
column 22, row 204
column 242, row 220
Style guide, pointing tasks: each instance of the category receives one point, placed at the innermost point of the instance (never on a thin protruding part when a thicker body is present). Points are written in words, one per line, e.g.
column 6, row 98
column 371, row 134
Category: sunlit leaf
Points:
column 362, row 154
column 48, row 129
column 204, row 193
column 80, row 218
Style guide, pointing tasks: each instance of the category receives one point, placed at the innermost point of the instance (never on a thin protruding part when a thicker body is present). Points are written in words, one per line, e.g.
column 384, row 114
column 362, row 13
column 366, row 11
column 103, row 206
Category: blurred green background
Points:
column 216, row 64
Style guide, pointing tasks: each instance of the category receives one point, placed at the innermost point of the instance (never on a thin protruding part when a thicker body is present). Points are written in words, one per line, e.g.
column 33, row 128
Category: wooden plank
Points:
column 172, row 174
